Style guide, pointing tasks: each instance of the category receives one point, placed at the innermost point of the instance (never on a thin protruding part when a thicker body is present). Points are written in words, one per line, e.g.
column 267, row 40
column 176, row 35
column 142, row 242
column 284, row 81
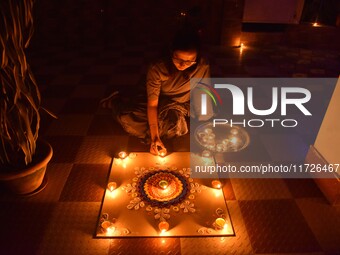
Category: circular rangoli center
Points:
column 163, row 188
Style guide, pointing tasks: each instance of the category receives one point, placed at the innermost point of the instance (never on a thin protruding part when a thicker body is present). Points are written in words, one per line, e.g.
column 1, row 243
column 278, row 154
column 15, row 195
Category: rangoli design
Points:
column 162, row 191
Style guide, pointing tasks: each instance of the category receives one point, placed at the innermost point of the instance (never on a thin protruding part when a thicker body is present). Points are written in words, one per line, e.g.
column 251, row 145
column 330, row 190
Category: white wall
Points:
column 328, row 140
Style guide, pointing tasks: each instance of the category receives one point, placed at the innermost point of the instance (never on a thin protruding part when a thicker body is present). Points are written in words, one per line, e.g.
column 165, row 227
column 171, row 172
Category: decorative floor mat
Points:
column 153, row 196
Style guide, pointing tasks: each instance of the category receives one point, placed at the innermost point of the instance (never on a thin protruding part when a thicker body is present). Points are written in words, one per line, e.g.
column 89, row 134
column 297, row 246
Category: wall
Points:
column 328, row 139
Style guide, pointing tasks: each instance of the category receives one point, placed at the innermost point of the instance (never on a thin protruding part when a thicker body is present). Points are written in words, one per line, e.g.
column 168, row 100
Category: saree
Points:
column 172, row 88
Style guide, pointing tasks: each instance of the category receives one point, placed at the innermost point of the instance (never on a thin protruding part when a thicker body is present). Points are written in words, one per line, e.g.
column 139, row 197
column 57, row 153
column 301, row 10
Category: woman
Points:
column 163, row 114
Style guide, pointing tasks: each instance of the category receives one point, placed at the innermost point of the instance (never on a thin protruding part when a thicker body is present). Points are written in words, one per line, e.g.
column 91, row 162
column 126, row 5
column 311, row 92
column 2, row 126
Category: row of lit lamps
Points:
column 163, row 226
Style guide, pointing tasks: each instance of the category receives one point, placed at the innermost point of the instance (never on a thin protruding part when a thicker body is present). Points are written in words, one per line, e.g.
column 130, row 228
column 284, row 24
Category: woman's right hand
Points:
column 156, row 146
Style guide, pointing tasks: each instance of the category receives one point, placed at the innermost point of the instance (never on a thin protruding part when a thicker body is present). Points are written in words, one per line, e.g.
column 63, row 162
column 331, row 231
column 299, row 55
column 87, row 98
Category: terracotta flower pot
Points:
column 29, row 180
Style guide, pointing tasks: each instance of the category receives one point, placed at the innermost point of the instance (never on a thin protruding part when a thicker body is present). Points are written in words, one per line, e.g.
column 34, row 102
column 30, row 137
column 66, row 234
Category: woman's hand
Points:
column 157, row 146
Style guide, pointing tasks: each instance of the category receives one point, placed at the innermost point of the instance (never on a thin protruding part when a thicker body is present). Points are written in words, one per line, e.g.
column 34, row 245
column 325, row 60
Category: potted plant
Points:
column 23, row 158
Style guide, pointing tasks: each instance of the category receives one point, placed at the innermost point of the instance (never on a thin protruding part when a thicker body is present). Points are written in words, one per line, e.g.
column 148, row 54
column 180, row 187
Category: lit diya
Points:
column 220, row 223
column 162, row 153
column 163, row 226
column 216, row 184
column 112, row 186
column 163, row 184
column 162, row 188
column 122, row 155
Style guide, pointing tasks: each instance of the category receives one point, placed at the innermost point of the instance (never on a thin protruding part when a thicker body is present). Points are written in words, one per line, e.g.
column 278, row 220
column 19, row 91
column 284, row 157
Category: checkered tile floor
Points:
column 269, row 216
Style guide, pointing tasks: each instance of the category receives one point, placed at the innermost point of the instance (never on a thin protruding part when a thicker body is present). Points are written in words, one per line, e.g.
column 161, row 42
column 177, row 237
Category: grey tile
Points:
column 287, row 147
column 324, row 221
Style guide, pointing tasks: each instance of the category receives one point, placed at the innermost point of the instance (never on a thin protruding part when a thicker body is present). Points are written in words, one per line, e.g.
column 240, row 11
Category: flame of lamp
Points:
column 163, row 226
column 112, row 186
column 162, row 153
column 216, row 184
column 122, row 154
column 132, row 155
column 219, row 147
column 220, row 223
column 234, row 140
column 110, row 230
column 206, row 154
column 225, row 141
column 163, row 184
column 105, row 224
column 234, row 131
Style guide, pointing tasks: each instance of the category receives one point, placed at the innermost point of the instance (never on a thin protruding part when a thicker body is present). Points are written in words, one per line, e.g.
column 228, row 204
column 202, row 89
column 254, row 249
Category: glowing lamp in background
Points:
column 216, row 184
column 110, row 230
column 108, row 227
column 122, row 155
column 111, row 186
column 221, row 138
column 206, row 154
column 220, row 223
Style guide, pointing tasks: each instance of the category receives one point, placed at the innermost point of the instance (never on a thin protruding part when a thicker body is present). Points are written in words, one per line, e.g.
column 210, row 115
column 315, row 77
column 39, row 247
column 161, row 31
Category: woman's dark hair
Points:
column 186, row 39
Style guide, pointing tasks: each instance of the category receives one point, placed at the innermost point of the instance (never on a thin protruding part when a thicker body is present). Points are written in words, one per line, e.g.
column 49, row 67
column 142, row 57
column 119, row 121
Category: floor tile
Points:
column 135, row 144
column 135, row 60
column 152, row 246
column 70, row 231
column 276, row 226
column 95, row 79
column 61, row 91
column 45, row 79
column 86, row 183
column 53, row 105
column 48, row 69
column 260, row 189
column 23, row 226
column 127, row 69
column 324, row 220
column 80, row 106
column 100, row 149
column 66, row 79
column 262, row 71
column 45, row 122
column 70, row 124
column 65, row 148
column 181, row 143
column 238, row 245
column 285, row 147
column 75, row 70
column 88, row 91
column 82, row 61
column 303, row 188
column 130, row 79
column 300, row 253
column 105, row 66
column 105, row 125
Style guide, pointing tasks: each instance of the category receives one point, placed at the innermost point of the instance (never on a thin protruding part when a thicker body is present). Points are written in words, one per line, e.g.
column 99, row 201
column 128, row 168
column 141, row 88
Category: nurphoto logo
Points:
column 279, row 95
